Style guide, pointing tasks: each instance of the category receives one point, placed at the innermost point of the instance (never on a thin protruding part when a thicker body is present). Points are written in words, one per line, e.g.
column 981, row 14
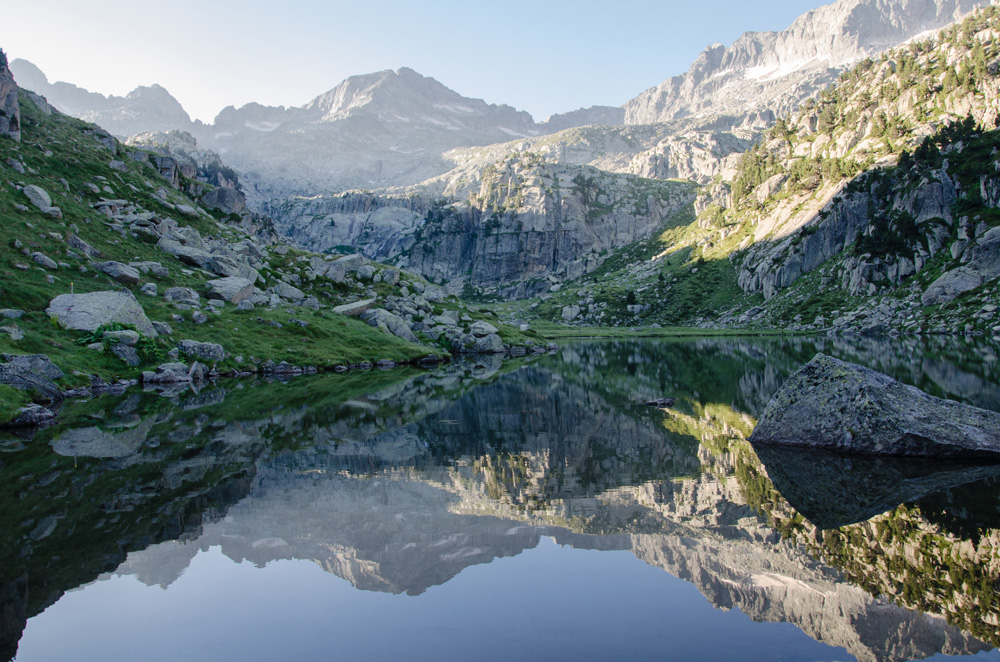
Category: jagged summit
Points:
column 777, row 70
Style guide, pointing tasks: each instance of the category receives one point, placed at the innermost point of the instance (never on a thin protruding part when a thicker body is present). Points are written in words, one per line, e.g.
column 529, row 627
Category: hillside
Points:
column 873, row 208
column 114, row 262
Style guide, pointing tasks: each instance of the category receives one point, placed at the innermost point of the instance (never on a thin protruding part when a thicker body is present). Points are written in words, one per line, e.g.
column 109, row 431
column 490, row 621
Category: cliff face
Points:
column 776, row 71
column 529, row 225
column 10, row 111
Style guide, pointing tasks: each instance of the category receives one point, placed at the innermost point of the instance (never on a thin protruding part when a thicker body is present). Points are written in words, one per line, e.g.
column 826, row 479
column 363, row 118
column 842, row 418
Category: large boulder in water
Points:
column 839, row 406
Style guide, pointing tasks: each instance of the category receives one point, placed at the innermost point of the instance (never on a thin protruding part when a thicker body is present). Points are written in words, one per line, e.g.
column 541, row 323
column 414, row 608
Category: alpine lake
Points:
column 501, row 510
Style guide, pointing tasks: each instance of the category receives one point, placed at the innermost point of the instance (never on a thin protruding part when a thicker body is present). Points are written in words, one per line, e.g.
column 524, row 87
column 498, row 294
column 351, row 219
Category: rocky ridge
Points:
column 773, row 72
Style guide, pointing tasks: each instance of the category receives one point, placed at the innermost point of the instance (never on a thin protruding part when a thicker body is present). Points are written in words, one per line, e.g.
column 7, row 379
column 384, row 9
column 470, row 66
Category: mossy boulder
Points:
column 839, row 406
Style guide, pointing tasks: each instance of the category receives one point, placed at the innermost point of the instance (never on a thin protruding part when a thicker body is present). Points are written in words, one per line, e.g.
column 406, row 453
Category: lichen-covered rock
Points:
column 39, row 363
column 356, row 308
column 25, row 379
column 120, row 272
column 232, row 289
column 834, row 405
column 183, row 295
column 86, row 312
column 390, row 323
column 204, row 351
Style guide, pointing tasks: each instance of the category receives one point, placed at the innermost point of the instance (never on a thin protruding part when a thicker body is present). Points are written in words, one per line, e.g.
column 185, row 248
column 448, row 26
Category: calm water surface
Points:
column 498, row 511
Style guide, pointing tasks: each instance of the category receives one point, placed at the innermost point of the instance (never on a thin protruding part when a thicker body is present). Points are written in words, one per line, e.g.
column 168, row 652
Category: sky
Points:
column 542, row 56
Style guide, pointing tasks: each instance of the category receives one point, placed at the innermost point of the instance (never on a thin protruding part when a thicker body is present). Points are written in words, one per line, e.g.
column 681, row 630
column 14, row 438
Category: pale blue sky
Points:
column 542, row 56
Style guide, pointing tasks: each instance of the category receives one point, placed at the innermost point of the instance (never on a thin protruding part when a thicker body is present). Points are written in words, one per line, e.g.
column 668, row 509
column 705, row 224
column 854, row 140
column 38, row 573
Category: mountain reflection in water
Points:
column 399, row 481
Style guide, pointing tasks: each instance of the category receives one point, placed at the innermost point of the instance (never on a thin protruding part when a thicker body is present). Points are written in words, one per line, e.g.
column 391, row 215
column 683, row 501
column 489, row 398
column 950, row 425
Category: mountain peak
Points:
column 777, row 70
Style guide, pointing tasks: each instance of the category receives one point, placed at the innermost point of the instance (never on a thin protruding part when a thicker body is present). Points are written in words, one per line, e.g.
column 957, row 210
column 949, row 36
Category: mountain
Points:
column 381, row 129
column 773, row 72
column 144, row 109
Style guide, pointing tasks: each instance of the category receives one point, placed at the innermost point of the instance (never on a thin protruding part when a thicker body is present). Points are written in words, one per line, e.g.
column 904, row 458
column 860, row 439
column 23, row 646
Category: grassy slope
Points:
column 57, row 146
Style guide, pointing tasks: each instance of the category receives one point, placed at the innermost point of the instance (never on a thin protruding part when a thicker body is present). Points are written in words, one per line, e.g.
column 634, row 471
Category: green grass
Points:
column 11, row 401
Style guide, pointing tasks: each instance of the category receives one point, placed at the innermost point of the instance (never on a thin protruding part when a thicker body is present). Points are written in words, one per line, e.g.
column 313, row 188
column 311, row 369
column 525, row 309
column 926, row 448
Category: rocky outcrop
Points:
column 86, row 312
column 838, row 406
column 10, row 110
column 24, row 378
column 771, row 73
column 528, row 226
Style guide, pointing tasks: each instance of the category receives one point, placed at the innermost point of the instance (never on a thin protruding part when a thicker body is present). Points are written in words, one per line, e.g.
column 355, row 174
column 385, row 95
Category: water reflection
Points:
column 397, row 482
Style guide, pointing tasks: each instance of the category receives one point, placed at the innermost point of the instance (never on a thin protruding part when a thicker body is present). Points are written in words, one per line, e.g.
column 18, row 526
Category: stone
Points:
column 76, row 243
column 390, row 323
column 163, row 328
column 356, row 308
column 154, row 268
column 570, row 313
column 480, row 329
column 182, row 295
column 39, row 363
column 167, row 373
column 366, row 273
column 43, row 260
column 838, row 406
column 86, row 312
column 38, row 196
column 950, row 284
column 149, row 289
column 127, row 354
column 286, row 291
column 491, row 344
column 12, row 331
column 122, row 273
column 204, row 351
column 11, row 313
column 25, row 379
column 233, row 289
column 31, row 416
column 126, row 337
column 199, row 318
column 244, row 305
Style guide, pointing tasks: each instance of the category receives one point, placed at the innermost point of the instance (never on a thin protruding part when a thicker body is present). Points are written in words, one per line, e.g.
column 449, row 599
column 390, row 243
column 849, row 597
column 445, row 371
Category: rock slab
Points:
column 838, row 406
column 86, row 312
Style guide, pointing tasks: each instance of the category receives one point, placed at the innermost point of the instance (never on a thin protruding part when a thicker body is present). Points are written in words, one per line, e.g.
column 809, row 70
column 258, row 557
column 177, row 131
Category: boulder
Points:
column 43, row 260
column 35, row 362
column 834, row 405
column 38, row 196
column 25, row 379
column 78, row 244
column 182, row 295
column 127, row 353
column 167, row 373
column 129, row 338
column 480, row 329
column 31, row 416
column 233, row 289
column 86, row 312
column 950, row 284
column 204, row 351
column 357, row 307
column 290, row 292
column 123, row 273
column 163, row 328
column 383, row 319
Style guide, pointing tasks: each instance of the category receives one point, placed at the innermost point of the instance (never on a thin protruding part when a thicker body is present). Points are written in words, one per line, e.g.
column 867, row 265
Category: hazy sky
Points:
column 543, row 56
